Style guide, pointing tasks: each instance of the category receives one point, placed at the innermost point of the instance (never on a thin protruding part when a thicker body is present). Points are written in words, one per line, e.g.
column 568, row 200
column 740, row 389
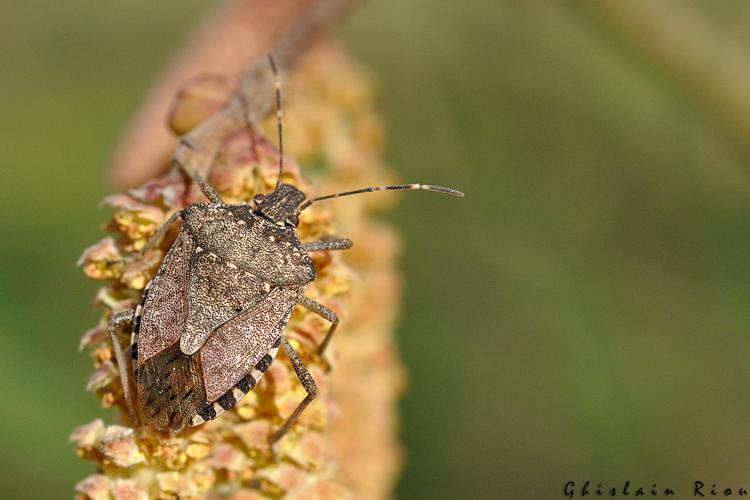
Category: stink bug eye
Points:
column 292, row 221
column 258, row 200
column 196, row 352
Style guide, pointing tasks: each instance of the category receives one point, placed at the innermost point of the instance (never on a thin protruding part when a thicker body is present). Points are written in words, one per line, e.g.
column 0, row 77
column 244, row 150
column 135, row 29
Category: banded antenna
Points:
column 393, row 187
column 277, row 83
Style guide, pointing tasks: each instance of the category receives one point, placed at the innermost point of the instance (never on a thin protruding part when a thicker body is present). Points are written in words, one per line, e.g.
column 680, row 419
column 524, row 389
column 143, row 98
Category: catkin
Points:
column 345, row 444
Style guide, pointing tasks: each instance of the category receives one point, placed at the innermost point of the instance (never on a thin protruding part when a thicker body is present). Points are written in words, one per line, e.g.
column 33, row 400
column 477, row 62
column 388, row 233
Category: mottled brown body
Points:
column 216, row 308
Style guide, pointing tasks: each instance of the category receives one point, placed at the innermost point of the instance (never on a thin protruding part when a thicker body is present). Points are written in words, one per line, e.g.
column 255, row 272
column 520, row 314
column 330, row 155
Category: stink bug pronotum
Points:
column 210, row 322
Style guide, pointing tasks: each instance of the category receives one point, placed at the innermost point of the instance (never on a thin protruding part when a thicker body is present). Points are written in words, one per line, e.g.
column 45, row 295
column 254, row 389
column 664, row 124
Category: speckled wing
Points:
column 164, row 308
column 217, row 292
column 239, row 345
column 170, row 388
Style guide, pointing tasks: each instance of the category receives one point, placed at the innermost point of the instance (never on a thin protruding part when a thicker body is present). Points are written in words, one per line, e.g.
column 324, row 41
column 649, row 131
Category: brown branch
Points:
column 242, row 31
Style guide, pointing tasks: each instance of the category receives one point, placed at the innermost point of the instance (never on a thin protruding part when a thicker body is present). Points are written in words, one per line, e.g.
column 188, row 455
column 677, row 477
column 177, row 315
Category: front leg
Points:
column 330, row 244
column 115, row 323
column 156, row 237
column 208, row 191
column 325, row 313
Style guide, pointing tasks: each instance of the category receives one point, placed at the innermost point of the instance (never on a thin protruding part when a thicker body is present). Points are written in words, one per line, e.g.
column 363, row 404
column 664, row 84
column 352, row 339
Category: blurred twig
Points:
column 702, row 64
column 235, row 37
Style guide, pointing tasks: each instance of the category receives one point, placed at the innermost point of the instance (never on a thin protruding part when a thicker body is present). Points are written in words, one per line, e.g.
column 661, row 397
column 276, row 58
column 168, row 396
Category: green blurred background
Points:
column 581, row 314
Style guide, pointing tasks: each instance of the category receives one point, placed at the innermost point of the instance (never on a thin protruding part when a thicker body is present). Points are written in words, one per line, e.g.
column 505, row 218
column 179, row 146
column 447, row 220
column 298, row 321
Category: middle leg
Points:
column 325, row 313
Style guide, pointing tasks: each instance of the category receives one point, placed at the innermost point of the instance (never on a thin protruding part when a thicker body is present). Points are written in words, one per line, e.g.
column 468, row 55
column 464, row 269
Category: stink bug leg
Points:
column 317, row 308
column 117, row 321
column 208, row 191
column 325, row 313
column 307, row 382
column 330, row 244
column 156, row 237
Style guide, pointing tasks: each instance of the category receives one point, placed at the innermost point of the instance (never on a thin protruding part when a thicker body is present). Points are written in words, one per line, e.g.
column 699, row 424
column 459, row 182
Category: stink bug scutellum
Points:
column 210, row 322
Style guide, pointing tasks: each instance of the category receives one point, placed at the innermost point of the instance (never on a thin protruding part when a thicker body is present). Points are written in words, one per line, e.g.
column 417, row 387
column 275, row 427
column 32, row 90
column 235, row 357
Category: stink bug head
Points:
column 281, row 205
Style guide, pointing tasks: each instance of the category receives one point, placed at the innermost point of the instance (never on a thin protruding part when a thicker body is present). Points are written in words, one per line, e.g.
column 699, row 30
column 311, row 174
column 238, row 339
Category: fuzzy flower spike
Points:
column 344, row 444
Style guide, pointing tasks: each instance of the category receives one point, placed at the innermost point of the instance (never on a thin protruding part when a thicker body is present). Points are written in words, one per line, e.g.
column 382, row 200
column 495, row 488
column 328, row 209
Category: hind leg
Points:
column 307, row 382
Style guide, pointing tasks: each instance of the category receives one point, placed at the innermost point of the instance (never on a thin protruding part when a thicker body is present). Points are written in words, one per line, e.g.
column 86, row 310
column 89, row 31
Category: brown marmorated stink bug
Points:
column 210, row 322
